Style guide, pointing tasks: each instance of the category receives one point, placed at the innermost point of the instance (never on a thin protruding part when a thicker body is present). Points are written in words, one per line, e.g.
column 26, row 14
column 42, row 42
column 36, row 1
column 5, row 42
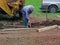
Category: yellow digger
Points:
column 8, row 11
column 11, row 6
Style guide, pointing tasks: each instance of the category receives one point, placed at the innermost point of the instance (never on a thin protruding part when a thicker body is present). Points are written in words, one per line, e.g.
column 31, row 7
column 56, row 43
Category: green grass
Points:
column 37, row 12
column 36, row 4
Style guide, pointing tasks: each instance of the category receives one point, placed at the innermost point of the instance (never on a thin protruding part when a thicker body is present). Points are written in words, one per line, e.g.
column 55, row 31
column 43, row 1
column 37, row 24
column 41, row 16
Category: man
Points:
column 27, row 10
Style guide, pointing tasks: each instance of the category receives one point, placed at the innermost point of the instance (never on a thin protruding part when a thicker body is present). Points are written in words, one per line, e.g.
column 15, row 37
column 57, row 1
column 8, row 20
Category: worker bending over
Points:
column 27, row 10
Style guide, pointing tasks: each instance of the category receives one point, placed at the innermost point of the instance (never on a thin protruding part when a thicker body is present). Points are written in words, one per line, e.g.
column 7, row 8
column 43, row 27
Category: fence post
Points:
column 47, row 15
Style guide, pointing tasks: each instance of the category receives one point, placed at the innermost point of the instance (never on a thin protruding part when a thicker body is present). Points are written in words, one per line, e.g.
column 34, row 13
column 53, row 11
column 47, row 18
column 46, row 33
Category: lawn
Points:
column 36, row 4
column 37, row 12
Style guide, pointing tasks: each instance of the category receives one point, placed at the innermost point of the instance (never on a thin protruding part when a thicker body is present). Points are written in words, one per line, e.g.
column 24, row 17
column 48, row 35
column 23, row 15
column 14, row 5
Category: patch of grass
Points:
column 37, row 12
column 35, row 3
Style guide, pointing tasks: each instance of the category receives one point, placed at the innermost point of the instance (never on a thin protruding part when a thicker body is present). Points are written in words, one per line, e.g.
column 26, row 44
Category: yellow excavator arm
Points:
column 4, row 5
column 14, row 5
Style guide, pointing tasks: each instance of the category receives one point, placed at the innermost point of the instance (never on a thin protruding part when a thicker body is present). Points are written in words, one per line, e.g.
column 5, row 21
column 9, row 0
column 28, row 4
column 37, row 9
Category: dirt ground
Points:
column 30, row 37
column 35, row 23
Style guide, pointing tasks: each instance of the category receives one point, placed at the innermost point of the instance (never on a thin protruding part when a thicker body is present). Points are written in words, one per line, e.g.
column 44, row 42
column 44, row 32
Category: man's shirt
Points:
column 27, row 11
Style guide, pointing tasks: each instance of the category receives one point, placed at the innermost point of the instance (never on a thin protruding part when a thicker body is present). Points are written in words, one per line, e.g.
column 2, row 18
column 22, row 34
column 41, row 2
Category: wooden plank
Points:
column 15, row 29
column 47, row 28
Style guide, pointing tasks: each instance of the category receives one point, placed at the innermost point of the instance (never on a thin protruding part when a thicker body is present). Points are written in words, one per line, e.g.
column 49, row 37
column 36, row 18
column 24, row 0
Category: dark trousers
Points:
column 26, row 22
column 25, row 19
